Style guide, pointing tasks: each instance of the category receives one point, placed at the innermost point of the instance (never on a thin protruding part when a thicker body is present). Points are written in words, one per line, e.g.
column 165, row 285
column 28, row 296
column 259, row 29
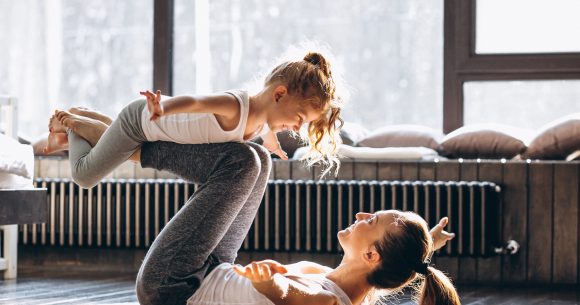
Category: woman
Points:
column 385, row 250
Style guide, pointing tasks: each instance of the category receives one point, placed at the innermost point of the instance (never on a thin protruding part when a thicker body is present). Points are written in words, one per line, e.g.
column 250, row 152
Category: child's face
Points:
column 291, row 113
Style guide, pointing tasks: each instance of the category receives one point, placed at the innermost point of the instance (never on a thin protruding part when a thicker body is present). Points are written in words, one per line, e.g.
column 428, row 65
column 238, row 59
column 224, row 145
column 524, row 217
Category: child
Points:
column 385, row 250
column 294, row 93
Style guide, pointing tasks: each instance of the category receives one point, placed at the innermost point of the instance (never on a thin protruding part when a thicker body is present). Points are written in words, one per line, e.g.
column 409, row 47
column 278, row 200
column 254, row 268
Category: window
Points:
column 58, row 54
column 526, row 104
column 390, row 51
column 527, row 26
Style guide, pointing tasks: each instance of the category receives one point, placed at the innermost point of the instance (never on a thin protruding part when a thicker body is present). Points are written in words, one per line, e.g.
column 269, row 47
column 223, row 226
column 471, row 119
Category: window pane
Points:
column 527, row 26
column 390, row 51
column 526, row 104
column 63, row 53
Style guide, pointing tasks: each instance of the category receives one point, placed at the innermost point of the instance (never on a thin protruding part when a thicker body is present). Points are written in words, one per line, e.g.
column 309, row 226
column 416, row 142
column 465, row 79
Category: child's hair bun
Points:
column 318, row 60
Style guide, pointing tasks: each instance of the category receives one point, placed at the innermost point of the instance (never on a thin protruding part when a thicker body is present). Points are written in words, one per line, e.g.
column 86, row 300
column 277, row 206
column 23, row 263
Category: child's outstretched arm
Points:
column 223, row 105
column 273, row 146
column 267, row 278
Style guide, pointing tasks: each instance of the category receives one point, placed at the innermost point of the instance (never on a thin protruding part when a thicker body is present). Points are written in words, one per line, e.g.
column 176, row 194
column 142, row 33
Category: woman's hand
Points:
column 260, row 272
column 440, row 236
column 153, row 104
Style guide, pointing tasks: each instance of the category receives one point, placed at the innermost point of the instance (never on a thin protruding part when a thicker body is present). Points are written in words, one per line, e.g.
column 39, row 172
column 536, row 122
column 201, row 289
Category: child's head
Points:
column 398, row 245
column 310, row 80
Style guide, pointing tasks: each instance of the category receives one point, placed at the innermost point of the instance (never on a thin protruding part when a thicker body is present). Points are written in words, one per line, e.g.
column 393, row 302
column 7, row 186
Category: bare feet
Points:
column 57, row 141
column 90, row 129
column 54, row 124
column 93, row 114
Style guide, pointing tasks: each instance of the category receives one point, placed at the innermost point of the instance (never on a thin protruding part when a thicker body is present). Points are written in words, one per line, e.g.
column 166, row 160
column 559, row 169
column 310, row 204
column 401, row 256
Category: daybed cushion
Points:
column 556, row 140
column 403, row 136
column 493, row 141
column 385, row 153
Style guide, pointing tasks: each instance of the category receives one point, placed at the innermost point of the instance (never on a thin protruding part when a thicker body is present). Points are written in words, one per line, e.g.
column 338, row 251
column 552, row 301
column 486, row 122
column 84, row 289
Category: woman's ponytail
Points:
column 437, row 289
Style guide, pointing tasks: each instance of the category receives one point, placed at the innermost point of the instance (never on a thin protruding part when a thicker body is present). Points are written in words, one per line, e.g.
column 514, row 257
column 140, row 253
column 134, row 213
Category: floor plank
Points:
column 71, row 286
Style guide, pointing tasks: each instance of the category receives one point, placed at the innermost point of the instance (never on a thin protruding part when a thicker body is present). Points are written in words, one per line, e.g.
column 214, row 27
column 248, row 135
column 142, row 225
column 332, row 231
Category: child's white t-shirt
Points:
column 196, row 128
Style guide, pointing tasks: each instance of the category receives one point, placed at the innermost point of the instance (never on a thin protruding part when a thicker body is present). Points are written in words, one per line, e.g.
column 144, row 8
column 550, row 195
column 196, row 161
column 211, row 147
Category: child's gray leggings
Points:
column 89, row 165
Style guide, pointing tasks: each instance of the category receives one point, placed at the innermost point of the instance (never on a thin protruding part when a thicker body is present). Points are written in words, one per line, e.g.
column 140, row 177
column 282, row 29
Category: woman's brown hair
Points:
column 406, row 252
column 311, row 78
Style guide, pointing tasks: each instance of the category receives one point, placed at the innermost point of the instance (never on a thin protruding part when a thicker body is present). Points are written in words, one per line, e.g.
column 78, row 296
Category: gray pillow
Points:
column 556, row 140
column 490, row 141
column 403, row 136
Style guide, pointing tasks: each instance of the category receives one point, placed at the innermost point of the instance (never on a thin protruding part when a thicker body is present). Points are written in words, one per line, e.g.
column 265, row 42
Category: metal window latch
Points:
column 511, row 247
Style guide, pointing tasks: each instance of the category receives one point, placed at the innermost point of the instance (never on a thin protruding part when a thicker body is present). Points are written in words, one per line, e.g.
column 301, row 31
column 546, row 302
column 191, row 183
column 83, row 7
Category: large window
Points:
column 62, row 53
column 390, row 52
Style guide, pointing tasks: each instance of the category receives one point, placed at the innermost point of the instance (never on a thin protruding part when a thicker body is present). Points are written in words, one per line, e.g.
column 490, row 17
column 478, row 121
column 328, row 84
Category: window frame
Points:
column 461, row 63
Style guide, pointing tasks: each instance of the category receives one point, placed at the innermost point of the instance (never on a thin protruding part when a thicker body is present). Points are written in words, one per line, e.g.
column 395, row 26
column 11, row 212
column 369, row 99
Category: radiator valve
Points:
column 511, row 247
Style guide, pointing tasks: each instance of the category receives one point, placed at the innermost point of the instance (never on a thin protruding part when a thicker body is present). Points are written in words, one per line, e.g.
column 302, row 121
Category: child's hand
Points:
column 273, row 146
column 279, row 152
column 153, row 104
column 260, row 272
column 440, row 237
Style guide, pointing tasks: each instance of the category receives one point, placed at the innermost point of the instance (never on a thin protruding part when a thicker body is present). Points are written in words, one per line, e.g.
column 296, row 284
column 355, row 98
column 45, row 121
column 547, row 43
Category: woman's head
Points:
column 309, row 83
column 397, row 245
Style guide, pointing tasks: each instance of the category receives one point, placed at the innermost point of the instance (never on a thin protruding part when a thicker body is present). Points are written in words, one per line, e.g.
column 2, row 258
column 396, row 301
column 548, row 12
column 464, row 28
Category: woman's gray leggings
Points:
column 212, row 225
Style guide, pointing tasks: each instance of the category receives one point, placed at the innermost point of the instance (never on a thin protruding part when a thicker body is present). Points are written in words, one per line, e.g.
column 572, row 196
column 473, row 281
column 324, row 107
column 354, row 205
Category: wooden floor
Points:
column 69, row 286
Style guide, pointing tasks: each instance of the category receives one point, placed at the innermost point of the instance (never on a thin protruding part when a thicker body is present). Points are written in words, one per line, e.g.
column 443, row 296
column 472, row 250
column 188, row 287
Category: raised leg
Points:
column 181, row 255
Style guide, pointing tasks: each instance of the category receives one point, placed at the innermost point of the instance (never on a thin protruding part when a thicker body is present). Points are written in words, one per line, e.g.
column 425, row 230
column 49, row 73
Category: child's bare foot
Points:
column 93, row 114
column 90, row 129
column 57, row 141
column 54, row 124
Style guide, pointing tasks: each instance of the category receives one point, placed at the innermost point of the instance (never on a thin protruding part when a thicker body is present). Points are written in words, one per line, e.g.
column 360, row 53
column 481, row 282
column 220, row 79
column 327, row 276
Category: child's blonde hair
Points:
column 311, row 79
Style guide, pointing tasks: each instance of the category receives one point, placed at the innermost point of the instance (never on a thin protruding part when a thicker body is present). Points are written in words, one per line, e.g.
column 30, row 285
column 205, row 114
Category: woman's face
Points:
column 367, row 229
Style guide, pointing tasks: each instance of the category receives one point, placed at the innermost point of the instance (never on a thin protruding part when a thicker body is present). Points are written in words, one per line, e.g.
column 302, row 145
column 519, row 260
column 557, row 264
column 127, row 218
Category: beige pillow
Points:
column 351, row 133
column 490, row 141
column 403, row 136
column 556, row 140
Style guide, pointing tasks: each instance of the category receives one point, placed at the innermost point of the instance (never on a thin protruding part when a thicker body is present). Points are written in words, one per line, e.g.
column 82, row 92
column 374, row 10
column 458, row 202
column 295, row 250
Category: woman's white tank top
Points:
column 196, row 128
column 223, row 286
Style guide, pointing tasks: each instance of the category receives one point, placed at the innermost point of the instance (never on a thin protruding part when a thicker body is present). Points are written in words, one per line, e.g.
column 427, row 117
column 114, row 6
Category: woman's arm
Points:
column 224, row 105
column 282, row 290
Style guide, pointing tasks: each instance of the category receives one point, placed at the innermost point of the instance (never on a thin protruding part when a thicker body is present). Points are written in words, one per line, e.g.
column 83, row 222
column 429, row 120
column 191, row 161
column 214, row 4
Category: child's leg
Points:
column 227, row 249
column 180, row 256
column 90, row 164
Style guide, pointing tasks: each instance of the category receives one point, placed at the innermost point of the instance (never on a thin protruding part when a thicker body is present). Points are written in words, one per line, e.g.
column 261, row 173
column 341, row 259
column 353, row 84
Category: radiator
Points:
column 298, row 216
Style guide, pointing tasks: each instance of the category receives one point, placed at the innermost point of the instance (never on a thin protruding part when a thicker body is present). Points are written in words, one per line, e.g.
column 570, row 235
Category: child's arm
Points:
column 220, row 104
column 273, row 146
column 280, row 289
